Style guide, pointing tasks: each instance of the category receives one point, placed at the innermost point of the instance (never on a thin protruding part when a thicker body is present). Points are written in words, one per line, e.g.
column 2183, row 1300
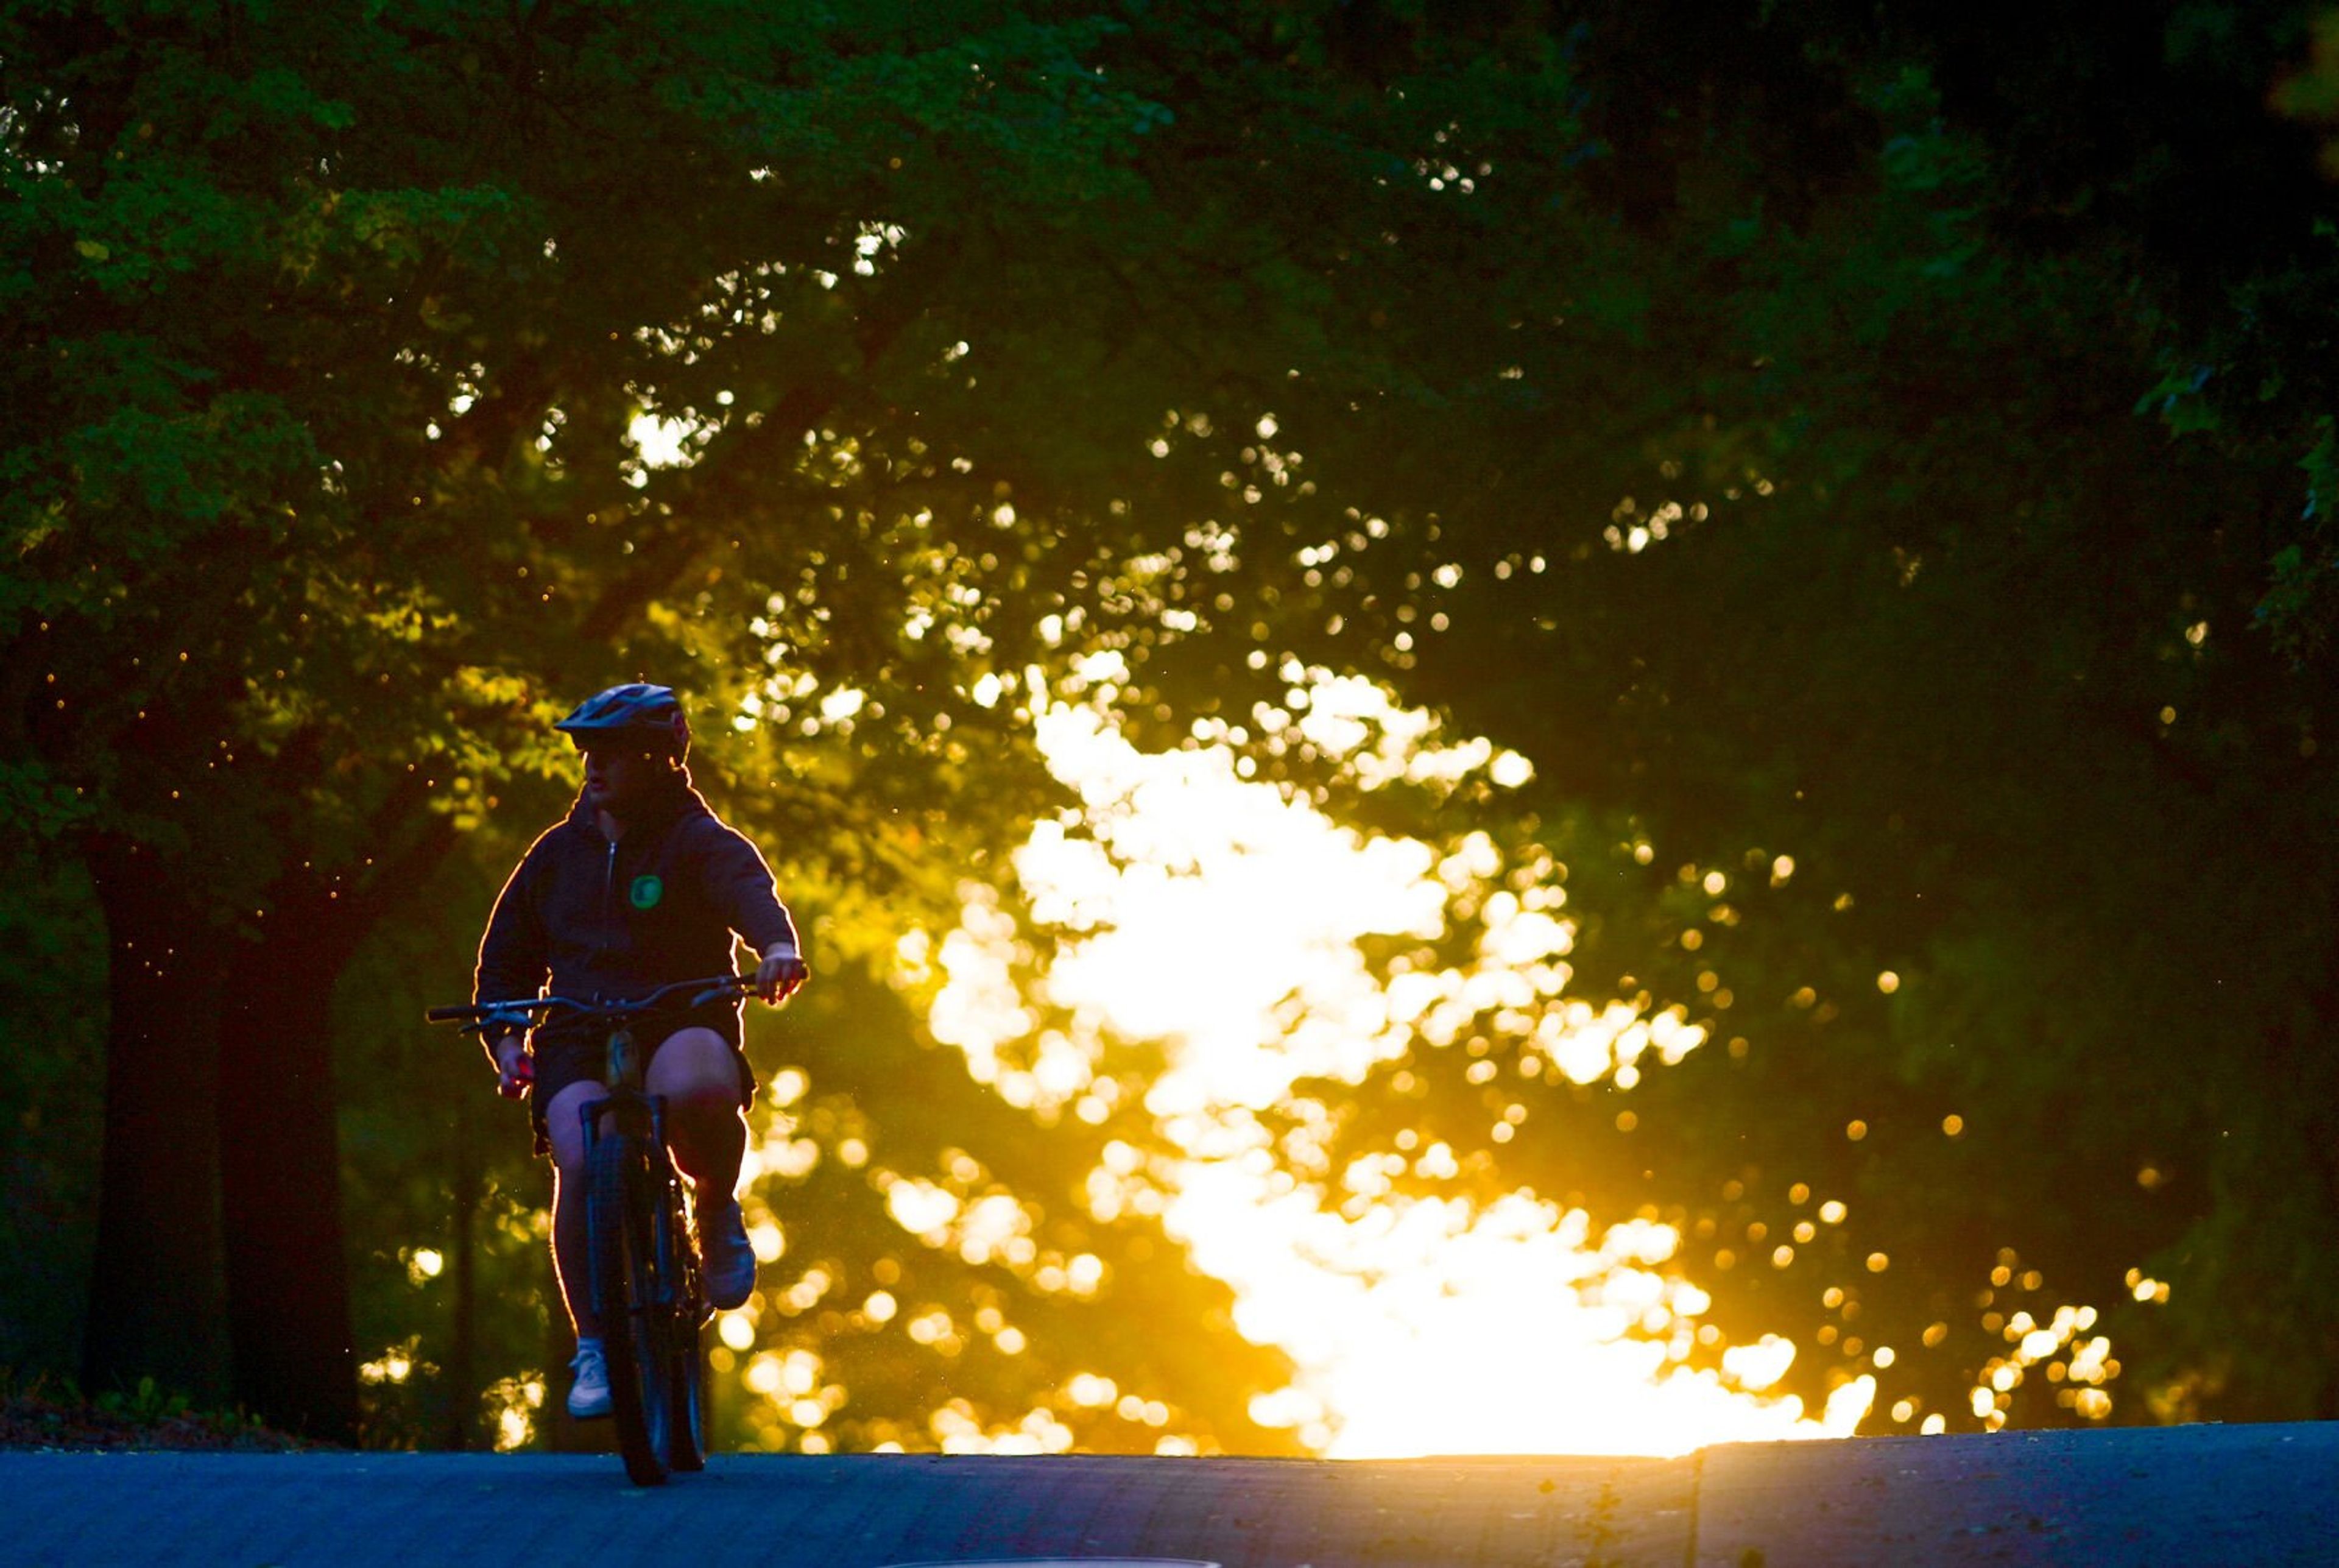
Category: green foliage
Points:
column 1863, row 438
column 37, row 1411
column 325, row 491
column 2311, row 91
column 2299, row 574
column 1916, row 531
column 147, row 1402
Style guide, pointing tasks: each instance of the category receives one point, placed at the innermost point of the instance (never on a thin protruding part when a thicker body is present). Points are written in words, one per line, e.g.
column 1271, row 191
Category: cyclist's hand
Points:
column 781, row 975
column 515, row 1069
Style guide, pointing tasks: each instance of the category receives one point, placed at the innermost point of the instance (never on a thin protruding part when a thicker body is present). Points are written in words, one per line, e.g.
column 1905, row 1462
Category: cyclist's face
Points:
column 616, row 780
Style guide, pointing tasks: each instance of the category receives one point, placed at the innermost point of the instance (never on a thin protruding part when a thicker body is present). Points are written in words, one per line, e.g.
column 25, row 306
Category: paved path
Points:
column 2202, row 1495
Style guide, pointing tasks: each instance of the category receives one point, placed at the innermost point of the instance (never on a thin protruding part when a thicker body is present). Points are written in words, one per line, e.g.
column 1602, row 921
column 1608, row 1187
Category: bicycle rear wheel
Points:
column 621, row 1214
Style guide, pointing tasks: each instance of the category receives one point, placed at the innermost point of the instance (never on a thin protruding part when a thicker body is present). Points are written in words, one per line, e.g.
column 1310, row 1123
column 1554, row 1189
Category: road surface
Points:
column 2200, row 1496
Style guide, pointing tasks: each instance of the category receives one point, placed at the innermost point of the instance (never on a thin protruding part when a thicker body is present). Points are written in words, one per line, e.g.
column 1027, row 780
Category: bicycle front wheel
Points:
column 621, row 1213
column 687, row 1419
column 685, row 1354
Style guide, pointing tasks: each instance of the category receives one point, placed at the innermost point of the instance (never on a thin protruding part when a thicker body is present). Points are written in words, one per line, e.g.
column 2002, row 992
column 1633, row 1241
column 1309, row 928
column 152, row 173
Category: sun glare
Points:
column 1221, row 917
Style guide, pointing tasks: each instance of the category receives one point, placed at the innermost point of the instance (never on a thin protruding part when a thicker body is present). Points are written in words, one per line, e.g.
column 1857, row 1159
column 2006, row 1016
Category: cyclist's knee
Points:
column 695, row 1065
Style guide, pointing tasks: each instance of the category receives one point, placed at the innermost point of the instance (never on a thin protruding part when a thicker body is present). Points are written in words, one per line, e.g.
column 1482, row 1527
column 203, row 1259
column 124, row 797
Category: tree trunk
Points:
column 221, row 1268
column 157, row 1288
column 286, row 1258
column 287, row 1286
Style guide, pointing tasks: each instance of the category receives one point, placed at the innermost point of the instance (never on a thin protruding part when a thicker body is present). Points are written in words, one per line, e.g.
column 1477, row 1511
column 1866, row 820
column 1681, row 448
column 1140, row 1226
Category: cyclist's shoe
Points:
column 725, row 1254
column 589, row 1397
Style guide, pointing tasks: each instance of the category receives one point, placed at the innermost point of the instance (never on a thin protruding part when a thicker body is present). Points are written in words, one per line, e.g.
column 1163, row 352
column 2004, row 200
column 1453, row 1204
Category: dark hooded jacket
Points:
column 587, row 918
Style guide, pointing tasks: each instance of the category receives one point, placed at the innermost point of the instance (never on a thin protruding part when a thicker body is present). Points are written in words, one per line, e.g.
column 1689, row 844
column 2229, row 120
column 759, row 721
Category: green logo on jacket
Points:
column 645, row 892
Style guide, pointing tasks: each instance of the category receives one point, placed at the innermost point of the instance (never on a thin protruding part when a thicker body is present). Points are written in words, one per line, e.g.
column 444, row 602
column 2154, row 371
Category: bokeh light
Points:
column 1221, row 917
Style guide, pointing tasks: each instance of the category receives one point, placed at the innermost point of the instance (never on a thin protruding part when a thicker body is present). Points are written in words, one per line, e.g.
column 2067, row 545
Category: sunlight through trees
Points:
column 1664, row 665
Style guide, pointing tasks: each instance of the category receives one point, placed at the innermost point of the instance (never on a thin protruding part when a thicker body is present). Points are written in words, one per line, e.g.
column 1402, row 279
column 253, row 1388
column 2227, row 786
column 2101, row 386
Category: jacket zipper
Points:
column 609, row 901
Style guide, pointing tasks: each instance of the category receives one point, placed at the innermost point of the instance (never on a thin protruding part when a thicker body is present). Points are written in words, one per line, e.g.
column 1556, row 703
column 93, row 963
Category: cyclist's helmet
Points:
column 637, row 715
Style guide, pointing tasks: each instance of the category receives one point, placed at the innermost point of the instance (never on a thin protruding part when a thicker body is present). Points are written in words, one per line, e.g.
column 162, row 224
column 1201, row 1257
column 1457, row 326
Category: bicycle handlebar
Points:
column 524, row 1013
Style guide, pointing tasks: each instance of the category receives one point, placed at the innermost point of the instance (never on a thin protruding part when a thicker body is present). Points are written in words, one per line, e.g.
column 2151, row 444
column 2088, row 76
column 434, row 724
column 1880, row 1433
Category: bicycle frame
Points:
column 627, row 1099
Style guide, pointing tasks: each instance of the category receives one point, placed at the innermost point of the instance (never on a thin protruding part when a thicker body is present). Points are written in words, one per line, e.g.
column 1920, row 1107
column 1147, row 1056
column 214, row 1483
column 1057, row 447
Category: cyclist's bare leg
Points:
column 571, row 1248
column 697, row 1073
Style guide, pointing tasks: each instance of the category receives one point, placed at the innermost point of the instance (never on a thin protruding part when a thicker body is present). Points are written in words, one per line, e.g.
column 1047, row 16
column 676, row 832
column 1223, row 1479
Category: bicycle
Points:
column 645, row 1275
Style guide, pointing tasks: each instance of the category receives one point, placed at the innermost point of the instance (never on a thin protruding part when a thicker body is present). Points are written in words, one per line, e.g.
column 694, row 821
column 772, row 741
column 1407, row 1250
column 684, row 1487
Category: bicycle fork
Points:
column 627, row 1106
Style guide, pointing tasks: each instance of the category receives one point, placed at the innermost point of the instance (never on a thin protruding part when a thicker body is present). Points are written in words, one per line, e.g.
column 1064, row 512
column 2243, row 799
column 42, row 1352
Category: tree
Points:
column 1881, row 527
column 1631, row 383
column 328, row 485
column 259, row 298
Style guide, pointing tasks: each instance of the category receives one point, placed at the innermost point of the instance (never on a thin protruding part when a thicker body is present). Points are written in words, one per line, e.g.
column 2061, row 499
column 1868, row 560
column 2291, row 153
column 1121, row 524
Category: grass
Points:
column 52, row 1413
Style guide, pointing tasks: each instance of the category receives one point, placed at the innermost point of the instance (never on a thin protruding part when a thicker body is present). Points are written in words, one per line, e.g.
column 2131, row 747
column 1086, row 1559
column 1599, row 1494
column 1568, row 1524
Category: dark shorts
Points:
column 571, row 1056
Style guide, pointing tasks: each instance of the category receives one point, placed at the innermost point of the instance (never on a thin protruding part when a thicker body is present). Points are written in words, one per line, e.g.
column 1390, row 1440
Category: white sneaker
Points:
column 726, row 1255
column 589, row 1397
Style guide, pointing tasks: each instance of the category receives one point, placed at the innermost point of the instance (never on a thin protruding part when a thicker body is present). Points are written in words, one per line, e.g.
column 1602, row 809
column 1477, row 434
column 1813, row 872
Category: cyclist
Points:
column 639, row 886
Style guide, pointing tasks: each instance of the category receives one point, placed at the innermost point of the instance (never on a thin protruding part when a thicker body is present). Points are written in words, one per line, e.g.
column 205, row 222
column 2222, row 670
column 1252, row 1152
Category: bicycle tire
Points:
column 625, row 1294
column 688, row 1420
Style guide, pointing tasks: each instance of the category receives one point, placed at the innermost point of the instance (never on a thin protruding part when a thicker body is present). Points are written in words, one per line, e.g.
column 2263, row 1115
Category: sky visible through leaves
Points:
column 1220, row 917
column 1187, row 905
